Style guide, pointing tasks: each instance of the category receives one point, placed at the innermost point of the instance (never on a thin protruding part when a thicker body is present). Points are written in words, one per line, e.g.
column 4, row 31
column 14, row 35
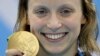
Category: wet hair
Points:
column 87, row 37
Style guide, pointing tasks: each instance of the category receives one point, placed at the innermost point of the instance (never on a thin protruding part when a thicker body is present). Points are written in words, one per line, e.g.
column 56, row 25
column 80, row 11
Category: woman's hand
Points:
column 14, row 52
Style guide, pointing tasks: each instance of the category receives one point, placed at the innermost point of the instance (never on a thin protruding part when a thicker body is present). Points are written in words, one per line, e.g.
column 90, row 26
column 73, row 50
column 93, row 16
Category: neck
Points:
column 71, row 51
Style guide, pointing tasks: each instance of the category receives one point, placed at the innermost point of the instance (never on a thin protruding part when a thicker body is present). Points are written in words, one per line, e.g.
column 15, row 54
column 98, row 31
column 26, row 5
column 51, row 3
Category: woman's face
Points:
column 56, row 23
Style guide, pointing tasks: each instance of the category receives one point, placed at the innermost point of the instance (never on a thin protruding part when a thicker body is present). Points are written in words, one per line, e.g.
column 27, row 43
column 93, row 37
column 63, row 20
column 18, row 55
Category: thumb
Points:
column 14, row 52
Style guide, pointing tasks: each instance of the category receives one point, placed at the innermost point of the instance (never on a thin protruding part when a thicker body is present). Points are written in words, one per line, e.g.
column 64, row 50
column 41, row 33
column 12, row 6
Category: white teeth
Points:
column 54, row 36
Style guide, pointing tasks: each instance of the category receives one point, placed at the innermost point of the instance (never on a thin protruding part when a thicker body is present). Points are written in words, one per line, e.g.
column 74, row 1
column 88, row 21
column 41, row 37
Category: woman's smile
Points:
column 54, row 37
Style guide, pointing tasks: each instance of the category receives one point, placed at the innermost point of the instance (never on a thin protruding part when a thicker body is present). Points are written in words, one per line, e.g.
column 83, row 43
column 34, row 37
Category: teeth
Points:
column 54, row 36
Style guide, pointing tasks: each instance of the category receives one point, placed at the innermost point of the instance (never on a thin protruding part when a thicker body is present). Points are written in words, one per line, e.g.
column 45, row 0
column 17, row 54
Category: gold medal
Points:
column 25, row 42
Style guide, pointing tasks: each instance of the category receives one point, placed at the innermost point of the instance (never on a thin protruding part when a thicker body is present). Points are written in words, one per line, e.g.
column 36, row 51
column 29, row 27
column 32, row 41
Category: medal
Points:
column 25, row 42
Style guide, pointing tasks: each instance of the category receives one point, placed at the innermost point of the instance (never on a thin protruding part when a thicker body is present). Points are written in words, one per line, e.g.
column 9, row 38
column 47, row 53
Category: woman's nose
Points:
column 54, row 23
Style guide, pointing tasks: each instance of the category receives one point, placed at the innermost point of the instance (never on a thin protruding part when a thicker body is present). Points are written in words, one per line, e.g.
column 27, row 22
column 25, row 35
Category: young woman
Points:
column 61, row 26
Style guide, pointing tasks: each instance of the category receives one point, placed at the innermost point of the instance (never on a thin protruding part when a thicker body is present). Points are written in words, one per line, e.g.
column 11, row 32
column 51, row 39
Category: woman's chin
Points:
column 55, row 50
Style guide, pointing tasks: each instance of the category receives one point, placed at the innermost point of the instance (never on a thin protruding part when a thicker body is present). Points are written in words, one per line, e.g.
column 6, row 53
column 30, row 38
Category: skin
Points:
column 14, row 52
column 54, row 17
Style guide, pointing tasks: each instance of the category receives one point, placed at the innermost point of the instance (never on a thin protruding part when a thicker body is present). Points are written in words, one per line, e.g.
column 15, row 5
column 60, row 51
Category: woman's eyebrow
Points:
column 40, row 6
column 66, row 6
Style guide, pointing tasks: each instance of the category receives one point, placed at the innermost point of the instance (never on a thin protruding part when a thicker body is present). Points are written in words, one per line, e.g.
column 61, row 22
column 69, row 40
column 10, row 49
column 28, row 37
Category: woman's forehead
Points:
column 54, row 2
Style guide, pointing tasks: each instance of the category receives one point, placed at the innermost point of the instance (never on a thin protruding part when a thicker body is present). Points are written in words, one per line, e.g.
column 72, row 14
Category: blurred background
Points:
column 8, row 15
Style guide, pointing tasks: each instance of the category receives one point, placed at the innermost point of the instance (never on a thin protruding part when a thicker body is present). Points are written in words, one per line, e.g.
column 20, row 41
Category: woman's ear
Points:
column 83, row 20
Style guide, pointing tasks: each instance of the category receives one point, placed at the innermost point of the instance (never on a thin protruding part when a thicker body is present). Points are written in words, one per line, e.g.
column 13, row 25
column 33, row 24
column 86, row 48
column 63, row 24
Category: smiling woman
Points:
column 60, row 27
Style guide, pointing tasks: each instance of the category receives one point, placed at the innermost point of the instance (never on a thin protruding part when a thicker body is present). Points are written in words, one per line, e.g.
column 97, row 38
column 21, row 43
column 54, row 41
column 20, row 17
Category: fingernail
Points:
column 22, row 53
column 16, row 55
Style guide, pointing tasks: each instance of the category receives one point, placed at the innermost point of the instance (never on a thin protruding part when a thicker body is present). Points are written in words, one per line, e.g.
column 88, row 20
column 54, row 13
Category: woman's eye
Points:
column 65, row 12
column 41, row 12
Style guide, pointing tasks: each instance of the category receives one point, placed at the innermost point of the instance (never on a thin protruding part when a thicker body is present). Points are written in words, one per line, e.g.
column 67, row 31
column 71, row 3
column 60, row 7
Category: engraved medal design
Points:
column 25, row 42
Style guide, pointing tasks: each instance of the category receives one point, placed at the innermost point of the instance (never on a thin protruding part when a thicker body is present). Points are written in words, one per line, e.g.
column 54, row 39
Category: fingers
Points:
column 14, row 52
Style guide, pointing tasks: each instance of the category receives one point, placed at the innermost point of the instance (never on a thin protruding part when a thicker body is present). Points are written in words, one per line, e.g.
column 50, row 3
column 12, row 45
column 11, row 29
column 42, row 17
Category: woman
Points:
column 61, row 26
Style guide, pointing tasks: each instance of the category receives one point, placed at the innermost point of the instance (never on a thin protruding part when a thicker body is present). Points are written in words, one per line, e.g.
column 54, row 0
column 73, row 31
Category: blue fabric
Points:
column 80, row 53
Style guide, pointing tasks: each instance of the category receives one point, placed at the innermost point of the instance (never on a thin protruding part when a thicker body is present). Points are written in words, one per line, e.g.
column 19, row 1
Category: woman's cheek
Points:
column 36, row 24
column 72, row 25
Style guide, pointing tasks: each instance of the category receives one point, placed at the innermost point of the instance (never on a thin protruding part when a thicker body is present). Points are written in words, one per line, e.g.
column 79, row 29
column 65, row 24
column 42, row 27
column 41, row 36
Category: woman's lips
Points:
column 54, row 37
